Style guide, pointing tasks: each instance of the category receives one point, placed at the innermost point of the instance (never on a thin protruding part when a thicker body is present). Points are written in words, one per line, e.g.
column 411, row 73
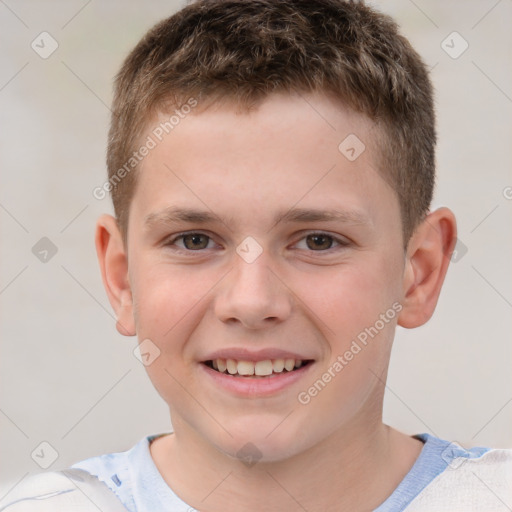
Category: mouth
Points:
column 267, row 368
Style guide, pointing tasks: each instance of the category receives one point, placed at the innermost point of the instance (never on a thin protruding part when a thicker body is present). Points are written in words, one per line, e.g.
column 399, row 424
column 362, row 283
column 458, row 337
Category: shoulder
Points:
column 72, row 490
column 474, row 480
column 131, row 475
column 117, row 470
column 82, row 487
column 110, row 468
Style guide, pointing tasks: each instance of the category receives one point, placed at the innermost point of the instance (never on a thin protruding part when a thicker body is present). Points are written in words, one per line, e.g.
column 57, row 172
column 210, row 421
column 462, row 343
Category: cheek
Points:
column 165, row 299
column 350, row 298
column 359, row 305
column 167, row 305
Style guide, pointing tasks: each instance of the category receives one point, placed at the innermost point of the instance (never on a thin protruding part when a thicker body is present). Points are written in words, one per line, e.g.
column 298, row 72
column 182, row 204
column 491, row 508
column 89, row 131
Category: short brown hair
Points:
column 247, row 49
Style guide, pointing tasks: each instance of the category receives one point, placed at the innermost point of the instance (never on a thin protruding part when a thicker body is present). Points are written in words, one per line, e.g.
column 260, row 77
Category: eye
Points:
column 191, row 241
column 321, row 242
column 195, row 241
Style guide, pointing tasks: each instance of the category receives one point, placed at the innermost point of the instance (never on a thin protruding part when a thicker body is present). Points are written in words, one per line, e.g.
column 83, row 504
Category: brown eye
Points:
column 319, row 241
column 195, row 241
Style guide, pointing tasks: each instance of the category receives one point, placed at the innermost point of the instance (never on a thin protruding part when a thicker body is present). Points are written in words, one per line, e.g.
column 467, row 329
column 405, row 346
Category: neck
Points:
column 357, row 467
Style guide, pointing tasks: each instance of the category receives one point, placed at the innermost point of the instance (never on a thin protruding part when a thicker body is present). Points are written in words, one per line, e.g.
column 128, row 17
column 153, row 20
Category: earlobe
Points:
column 113, row 263
column 427, row 260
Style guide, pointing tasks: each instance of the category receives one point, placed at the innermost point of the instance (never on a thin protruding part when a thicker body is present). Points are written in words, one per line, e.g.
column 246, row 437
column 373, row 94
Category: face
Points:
column 255, row 242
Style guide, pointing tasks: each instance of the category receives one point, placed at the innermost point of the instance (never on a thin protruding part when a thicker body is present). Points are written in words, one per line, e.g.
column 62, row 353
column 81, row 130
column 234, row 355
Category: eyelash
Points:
column 341, row 242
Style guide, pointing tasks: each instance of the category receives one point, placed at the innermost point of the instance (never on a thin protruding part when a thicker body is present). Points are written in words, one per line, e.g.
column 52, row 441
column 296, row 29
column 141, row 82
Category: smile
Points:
column 255, row 369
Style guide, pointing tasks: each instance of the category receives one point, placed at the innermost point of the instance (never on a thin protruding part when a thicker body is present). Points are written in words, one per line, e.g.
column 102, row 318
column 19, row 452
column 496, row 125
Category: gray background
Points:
column 68, row 378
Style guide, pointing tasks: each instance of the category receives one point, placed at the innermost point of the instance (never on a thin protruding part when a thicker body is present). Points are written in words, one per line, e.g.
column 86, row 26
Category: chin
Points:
column 263, row 443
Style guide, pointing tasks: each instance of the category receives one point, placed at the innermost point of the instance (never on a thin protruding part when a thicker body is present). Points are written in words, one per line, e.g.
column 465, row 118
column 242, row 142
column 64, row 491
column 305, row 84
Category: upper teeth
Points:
column 266, row 367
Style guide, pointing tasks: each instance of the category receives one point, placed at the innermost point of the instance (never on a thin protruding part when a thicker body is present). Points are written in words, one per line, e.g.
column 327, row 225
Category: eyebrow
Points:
column 295, row 215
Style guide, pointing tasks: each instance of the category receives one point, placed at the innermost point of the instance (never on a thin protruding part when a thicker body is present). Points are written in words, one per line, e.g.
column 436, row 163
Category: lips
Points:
column 258, row 368
column 250, row 374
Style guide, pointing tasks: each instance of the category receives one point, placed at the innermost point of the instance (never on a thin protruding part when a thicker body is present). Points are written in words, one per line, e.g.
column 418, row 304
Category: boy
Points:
column 271, row 165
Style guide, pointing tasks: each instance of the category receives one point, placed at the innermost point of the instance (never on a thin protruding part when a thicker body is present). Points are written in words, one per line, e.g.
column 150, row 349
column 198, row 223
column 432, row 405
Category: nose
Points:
column 253, row 295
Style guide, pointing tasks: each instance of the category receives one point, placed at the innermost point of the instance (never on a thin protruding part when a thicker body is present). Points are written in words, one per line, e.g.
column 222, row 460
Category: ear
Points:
column 114, row 272
column 428, row 256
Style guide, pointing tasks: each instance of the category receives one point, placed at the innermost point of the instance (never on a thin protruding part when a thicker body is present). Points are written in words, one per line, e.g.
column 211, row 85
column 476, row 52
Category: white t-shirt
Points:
column 444, row 478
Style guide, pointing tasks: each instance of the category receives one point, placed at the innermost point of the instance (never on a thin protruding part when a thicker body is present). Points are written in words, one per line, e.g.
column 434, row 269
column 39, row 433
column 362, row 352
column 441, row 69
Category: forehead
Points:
column 251, row 165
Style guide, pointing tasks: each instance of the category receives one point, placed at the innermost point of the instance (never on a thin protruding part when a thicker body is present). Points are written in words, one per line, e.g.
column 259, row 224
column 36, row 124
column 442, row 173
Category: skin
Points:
column 311, row 297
